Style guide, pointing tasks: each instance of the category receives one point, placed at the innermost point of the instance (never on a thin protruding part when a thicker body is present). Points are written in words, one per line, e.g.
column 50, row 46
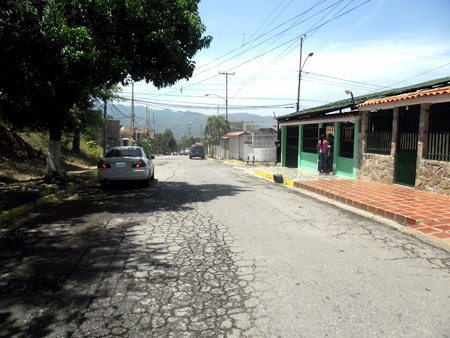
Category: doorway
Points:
column 408, row 137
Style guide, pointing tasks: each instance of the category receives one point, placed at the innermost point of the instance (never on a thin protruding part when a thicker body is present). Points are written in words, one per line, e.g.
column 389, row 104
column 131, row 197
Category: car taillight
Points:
column 102, row 164
column 138, row 164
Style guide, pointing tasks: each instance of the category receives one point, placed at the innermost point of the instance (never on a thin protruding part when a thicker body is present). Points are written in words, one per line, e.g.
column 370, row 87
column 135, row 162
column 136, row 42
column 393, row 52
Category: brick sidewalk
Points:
column 423, row 211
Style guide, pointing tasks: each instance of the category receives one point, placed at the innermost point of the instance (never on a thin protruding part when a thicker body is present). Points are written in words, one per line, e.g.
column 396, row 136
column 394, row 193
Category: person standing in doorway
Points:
column 322, row 145
column 330, row 153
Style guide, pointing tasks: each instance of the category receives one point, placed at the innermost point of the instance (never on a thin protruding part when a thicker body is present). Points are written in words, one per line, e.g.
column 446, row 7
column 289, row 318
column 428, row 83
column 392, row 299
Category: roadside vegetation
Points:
column 62, row 60
column 23, row 163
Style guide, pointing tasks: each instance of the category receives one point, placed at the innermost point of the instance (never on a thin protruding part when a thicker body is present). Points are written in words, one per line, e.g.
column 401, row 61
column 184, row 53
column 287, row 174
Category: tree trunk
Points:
column 54, row 164
column 76, row 141
column 54, row 157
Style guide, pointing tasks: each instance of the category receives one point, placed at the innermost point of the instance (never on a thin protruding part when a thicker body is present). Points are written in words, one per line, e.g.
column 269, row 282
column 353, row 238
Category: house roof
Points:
column 236, row 133
column 409, row 96
column 348, row 103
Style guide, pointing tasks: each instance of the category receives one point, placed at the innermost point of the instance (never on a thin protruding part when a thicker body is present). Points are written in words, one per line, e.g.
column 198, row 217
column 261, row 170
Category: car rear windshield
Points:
column 198, row 147
column 128, row 152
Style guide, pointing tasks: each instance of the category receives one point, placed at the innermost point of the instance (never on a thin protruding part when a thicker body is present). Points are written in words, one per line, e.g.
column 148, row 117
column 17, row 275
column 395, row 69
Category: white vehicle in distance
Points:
column 187, row 151
column 126, row 164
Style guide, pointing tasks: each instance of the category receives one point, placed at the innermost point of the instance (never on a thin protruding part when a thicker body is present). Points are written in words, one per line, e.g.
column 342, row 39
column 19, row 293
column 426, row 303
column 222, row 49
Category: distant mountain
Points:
column 178, row 122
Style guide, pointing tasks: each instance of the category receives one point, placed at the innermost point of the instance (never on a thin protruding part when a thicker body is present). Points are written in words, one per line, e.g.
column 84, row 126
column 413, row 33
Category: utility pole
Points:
column 226, row 100
column 299, row 74
column 201, row 131
column 132, row 109
column 147, row 121
column 189, row 126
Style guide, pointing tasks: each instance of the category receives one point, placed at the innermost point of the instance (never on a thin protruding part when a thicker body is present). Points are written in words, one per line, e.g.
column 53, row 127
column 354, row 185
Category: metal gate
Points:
column 347, row 140
column 344, row 146
column 292, row 146
column 408, row 137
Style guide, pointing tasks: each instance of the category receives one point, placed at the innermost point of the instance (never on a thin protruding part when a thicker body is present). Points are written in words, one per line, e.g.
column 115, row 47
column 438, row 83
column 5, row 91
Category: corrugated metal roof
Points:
column 347, row 103
column 409, row 96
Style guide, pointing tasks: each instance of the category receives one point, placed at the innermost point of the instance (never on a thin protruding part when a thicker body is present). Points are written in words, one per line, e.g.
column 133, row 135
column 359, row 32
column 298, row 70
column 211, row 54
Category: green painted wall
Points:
column 337, row 145
column 345, row 166
column 309, row 161
column 300, row 144
column 355, row 147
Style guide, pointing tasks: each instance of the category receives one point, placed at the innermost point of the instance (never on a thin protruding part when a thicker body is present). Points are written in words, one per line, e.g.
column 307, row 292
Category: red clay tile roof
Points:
column 408, row 96
column 236, row 133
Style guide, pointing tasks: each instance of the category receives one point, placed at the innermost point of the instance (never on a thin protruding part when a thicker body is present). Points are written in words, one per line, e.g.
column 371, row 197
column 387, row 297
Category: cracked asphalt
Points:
column 208, row 251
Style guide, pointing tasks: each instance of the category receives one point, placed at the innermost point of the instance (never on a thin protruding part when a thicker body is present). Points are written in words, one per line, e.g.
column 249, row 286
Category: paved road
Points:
column 207, row 251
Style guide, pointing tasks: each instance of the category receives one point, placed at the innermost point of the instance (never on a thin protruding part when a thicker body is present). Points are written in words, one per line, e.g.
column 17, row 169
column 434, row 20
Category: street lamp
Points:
column 348, row 91
column 300, row 76
column 226, row 103
column 129, row 80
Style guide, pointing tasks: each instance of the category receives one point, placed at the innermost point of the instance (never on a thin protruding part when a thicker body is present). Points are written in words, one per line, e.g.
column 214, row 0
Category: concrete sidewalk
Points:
column 425, row 212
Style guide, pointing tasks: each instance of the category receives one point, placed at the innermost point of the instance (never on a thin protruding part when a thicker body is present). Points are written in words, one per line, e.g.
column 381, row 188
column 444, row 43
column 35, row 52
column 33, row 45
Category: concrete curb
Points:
column 241, row 163
column 44, row 200
column 270, row 176
column 367, row 214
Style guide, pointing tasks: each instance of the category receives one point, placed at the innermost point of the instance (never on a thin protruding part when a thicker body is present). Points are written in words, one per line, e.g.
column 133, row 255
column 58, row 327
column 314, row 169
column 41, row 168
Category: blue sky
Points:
column 374, row 45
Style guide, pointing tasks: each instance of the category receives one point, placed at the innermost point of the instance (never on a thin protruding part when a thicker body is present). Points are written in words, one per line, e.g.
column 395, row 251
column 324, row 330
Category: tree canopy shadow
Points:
column 51, row 267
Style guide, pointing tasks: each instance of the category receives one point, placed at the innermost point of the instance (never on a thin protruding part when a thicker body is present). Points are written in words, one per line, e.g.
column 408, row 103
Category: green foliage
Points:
column 237, row 125
column 187, row 142
column 159, row 144
column 53, row 52
column 93, row 149
column 84, row 118
column 216, row 127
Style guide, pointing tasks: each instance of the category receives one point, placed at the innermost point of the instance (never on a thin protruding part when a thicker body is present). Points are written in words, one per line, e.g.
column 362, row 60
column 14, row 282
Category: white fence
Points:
column 260, row 135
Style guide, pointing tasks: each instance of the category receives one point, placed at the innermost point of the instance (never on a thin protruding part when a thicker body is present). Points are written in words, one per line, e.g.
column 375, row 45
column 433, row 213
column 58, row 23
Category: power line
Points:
column 280, row 33
column 421, row 74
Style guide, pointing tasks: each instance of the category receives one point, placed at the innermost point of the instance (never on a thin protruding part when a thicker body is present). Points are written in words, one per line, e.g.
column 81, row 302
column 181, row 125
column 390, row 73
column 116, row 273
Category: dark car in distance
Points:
column 197, row 150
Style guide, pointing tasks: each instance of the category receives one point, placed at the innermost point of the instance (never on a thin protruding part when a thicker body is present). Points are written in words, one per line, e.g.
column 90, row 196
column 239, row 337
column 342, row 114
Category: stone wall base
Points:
column 376, row 168
column 433, row 176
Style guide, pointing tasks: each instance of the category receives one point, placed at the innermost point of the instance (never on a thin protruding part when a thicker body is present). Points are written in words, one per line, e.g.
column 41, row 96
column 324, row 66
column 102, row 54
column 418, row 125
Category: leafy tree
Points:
column 148, row 144
column 54, row 51
column 216, row 127
column 237, row 125
column 168, row 141
column 84, row 119
column 187, row 142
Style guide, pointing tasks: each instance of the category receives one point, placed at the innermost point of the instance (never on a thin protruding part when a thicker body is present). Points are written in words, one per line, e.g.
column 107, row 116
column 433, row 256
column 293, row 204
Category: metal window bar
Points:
column 439, row 133
column 379, row 136
column 347, row 140
column 310, row 133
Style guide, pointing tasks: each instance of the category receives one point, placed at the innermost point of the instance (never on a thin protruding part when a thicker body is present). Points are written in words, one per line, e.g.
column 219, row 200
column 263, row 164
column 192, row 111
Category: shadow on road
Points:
column 51, row 267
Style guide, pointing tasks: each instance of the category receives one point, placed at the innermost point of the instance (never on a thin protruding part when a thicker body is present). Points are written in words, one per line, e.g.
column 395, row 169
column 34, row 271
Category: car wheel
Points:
column 190, row 157
column 103, row 184
column 147, row 181
column 153, row 176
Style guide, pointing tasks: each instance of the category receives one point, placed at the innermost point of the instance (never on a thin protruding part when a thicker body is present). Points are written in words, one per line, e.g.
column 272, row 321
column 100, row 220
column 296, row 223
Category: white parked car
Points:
column 125, row 164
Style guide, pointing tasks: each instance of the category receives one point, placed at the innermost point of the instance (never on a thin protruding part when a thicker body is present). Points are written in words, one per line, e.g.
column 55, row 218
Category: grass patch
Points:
column 21, row 177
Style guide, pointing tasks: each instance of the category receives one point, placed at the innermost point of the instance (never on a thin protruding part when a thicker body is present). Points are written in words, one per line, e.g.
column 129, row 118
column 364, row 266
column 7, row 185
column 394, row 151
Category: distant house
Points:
column 243, row 145
column 138, row 133
column 232, row 145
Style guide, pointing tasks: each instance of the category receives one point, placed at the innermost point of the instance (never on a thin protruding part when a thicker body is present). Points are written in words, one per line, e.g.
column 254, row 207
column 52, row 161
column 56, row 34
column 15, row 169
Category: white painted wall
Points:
column 265, row 154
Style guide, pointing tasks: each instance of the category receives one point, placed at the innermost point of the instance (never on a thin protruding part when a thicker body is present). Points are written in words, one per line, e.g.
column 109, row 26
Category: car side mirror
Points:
column 152, row 157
